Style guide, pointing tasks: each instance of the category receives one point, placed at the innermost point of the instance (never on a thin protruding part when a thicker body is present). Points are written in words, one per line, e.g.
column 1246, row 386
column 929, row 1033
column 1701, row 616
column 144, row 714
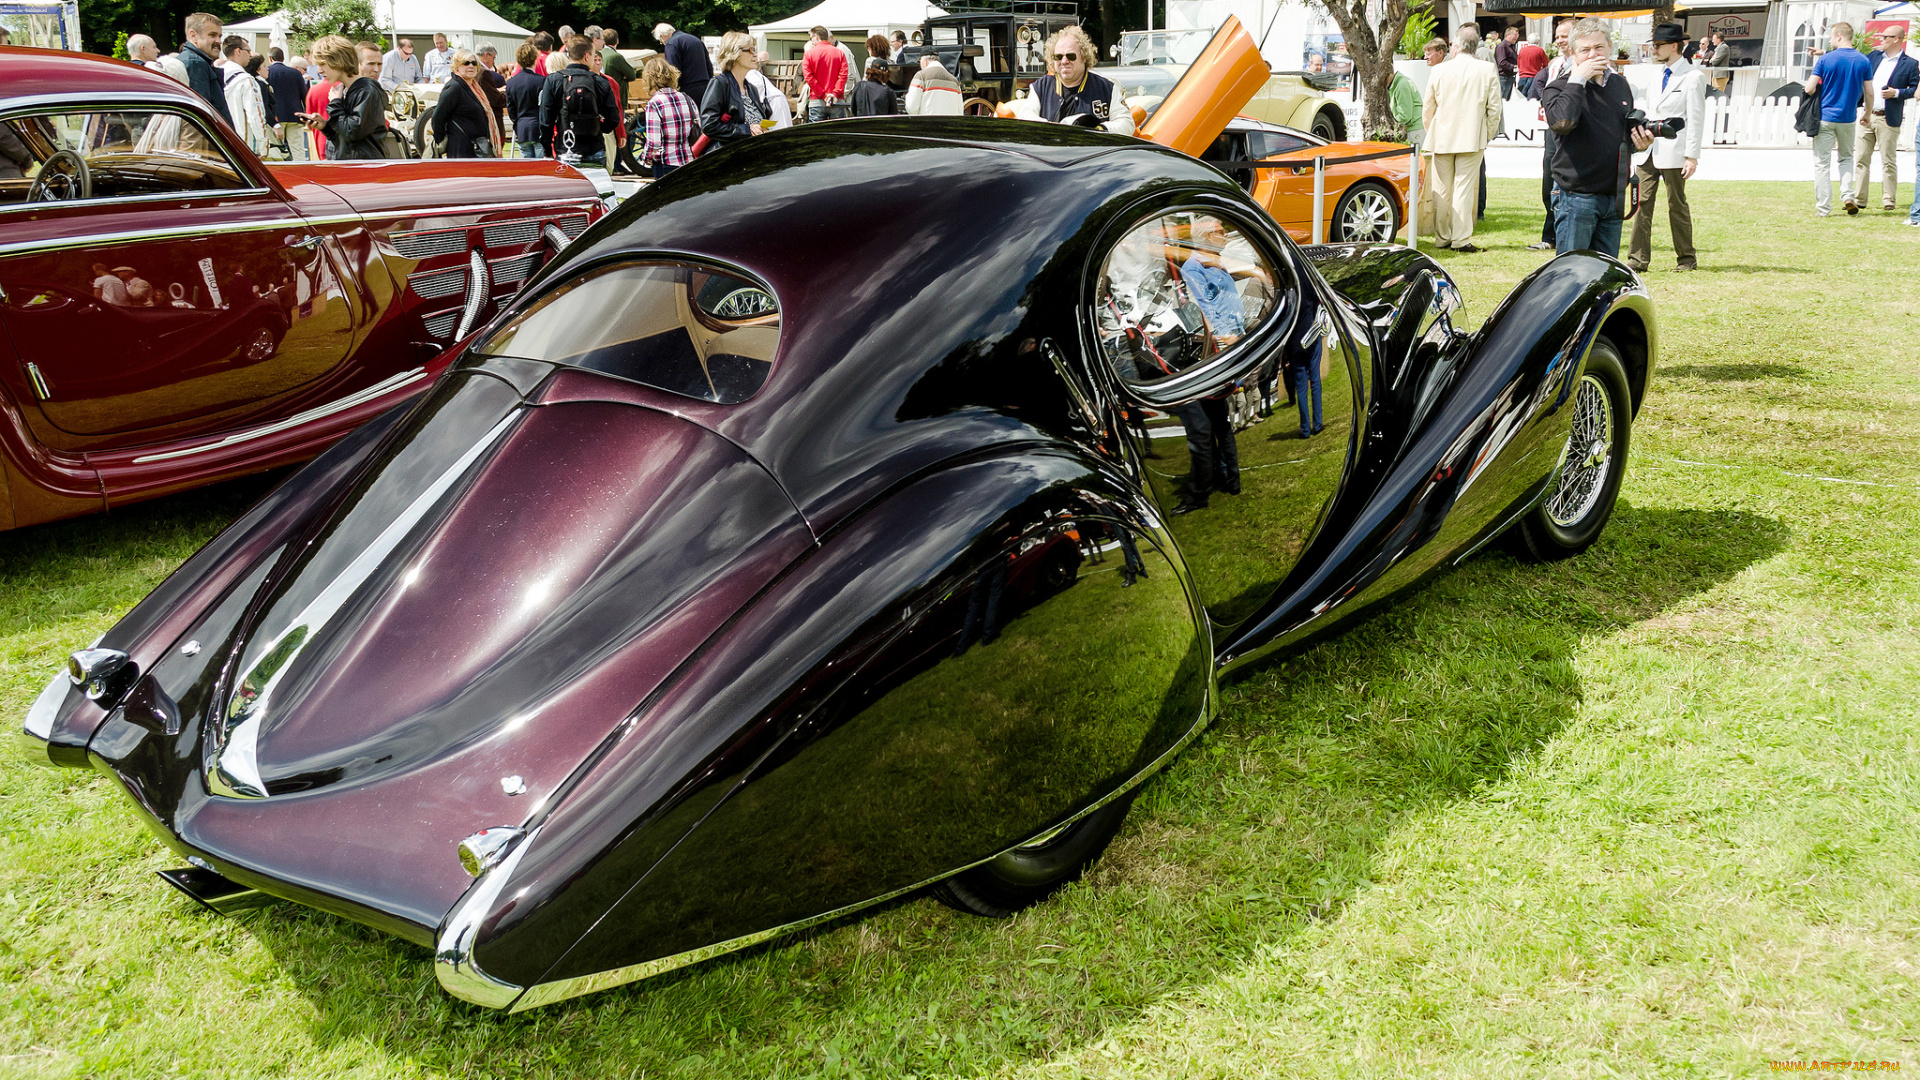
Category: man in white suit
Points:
column 1461, row 111
column 1682, row 94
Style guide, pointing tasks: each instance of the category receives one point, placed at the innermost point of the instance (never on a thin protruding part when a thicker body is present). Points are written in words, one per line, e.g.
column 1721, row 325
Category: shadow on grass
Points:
column 1735, row 372
column 1269, row 822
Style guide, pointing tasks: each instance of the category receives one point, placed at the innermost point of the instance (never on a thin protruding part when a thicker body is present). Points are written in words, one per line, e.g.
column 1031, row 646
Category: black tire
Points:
column 1366, row 212
column 1329, row 125
column 422, row 135
column 1576, row 507
column 1029, row 874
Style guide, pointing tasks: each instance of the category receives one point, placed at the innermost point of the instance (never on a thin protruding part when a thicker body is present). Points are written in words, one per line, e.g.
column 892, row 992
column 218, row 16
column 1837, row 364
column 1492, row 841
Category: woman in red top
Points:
column 317, row 103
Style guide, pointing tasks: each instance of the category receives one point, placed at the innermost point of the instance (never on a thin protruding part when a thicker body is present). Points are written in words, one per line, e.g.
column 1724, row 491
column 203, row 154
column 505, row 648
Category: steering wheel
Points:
column 64, row 176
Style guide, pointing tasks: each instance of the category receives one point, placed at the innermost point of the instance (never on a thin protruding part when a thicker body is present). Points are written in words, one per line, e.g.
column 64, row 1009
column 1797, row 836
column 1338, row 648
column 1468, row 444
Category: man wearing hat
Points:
column 1681, row 94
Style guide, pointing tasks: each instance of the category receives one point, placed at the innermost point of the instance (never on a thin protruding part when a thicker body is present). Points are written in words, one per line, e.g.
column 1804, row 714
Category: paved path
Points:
column 1521, row 161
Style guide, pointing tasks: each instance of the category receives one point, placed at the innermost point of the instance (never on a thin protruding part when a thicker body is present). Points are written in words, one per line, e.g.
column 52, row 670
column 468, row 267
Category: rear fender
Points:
column 952, row 672
column 1464, row 437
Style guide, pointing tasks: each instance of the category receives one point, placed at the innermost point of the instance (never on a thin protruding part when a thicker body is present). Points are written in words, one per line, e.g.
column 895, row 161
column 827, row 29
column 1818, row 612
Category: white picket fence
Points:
column 1748, row 121
column 1731, row 121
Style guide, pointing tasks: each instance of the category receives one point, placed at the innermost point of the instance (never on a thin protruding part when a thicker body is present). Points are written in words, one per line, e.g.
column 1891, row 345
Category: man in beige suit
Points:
column 1462, row 113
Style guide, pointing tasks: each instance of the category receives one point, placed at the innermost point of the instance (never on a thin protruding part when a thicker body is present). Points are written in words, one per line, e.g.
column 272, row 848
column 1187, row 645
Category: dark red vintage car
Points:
column 175, row 312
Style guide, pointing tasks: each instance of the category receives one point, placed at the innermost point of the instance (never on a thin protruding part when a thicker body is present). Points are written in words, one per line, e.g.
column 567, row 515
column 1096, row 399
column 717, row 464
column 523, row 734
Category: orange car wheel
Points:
column 1366, row 212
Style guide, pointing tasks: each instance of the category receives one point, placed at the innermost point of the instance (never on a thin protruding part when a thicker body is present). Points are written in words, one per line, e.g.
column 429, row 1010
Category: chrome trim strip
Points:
column 479, row 291
column 233, row 768
column 66, row 243
column 361, row 397
column 453, row 962
column 560, row 990
column 40, row 388
column 134, row 236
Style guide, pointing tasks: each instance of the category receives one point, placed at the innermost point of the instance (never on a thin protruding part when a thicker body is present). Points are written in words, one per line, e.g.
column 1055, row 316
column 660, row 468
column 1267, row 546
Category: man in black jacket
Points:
column 578, row 102
column 1587, row 109
column 689, row 54
column 203, row 41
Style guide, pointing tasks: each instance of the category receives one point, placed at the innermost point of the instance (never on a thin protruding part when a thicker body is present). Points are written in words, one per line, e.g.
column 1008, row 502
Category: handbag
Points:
column 1807, row 120
column 483, row 146
column 1429, row 208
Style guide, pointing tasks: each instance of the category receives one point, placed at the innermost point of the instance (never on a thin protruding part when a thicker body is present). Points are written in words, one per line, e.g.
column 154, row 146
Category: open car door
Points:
column 1225, row 77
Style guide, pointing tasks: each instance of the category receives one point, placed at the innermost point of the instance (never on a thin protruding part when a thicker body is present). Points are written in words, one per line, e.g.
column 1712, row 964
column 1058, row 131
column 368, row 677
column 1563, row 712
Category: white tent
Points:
column 465, row 22
column 850, row 20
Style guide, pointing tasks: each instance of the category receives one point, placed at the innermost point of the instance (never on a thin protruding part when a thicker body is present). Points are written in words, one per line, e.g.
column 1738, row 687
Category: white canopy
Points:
column 465, row 22
column 854, row 16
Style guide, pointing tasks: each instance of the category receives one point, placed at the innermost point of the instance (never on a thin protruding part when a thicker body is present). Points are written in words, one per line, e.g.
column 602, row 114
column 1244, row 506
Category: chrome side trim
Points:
column 479, row 291
column 318, row 412
column 233, row 769
column 67, row 243
column 40, row 388
column 453, row 962
column 560, row 990
column 129, row 236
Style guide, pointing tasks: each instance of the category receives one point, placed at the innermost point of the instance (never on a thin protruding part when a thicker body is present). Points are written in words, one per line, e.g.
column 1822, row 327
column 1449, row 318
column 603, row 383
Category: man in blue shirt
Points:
column 1838, row 78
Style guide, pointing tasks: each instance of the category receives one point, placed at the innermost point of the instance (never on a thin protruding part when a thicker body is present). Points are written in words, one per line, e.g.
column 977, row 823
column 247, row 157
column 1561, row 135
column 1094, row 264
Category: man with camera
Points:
column 1590, row 110
column 1682, row 97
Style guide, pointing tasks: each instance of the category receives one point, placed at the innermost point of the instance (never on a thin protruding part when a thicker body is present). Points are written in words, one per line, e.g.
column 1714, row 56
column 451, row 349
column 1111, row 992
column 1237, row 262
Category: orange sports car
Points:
column 1364, row 200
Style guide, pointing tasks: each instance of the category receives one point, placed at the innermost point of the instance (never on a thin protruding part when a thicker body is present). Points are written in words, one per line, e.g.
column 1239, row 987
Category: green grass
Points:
column 1651, row 811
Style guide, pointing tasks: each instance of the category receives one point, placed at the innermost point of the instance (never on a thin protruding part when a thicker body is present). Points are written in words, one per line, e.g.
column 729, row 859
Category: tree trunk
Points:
column 1372, row 55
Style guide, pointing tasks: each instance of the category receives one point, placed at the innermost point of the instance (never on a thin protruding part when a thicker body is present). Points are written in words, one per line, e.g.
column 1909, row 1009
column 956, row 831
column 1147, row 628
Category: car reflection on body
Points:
column 264, row 312
column 1229, row 110
column 728, row 582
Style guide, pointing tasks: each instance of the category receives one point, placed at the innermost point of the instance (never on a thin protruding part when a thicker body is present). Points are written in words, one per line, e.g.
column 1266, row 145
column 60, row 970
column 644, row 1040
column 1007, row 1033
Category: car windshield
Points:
column 680, row 327
column 1142, row 80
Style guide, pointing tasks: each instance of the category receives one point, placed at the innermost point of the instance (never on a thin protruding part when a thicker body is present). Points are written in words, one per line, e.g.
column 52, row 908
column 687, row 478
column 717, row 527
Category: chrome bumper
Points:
column 35, row 737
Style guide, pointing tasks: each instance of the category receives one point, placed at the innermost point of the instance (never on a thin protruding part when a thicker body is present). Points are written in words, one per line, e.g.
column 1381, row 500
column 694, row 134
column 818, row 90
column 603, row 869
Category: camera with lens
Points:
column 1668, row 128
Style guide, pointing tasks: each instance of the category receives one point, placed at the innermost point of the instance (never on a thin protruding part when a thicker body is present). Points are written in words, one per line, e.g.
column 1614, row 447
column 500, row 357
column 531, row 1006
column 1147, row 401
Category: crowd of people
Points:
column 567, row 93
column 1602, row 156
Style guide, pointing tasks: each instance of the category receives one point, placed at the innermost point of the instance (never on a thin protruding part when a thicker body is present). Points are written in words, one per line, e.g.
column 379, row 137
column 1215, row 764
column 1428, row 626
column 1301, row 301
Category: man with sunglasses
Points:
column 1072, row 93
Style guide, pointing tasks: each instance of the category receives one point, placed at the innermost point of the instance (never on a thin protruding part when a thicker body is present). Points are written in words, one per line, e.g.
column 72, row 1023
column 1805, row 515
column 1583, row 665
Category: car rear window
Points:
column 698, row 331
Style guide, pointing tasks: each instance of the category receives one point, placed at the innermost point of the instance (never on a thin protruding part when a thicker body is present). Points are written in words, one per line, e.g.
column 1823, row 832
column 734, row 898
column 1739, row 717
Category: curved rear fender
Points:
column 843, row 708
column 1481, row 441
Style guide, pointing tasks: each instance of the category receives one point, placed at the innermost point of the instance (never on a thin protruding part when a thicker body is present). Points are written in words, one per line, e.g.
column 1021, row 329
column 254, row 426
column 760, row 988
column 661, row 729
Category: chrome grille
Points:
column 519, row 268
column 573, row 226
column 423, row 245
column 525, row 231
column 439, row 283
column 442, row 325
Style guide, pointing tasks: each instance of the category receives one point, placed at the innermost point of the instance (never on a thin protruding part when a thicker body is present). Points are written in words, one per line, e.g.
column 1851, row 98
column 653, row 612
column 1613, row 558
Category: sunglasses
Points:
column 1067, row 56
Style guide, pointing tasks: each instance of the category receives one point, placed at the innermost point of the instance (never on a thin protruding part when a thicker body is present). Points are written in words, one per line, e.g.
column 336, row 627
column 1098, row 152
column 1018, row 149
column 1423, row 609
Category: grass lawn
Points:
column 1654, row 811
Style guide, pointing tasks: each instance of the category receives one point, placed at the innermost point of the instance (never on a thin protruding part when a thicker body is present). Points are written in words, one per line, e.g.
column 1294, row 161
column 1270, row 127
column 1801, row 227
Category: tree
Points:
column 1371, row 44
column 354, row 20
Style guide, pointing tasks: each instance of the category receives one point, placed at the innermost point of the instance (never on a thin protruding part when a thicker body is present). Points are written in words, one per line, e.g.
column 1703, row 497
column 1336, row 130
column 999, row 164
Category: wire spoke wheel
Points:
column 1589, row 451
column 1576, row 507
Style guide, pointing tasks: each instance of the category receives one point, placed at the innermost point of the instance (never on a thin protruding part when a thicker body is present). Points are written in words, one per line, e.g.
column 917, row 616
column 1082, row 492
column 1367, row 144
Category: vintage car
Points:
column 1287, row 98
column 177, row 313
column 993, row 48
column 1215, row 111
column 727, row 583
